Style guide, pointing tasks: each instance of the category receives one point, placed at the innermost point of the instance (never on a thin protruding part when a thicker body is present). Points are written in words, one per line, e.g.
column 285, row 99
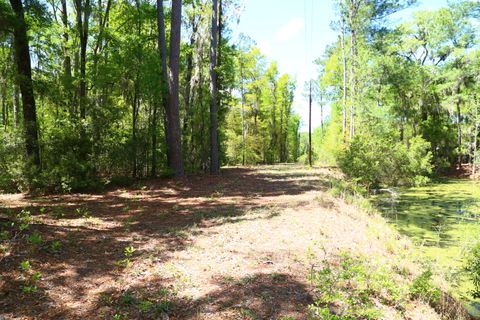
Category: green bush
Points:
column 472, row 267
column 376, row 161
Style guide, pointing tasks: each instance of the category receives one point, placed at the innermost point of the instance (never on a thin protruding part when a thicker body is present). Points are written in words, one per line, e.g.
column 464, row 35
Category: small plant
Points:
column 25, row 265
column 119, row 316
column 423, row 288
column 35, row 238
column 57, row 213
column 24, row 219
column 248, row 314
column 55, row 246
column 145, row 306
column 83, row 212
column 127, row 298
column 30, row 279
column 4, row 235
column 127, row 253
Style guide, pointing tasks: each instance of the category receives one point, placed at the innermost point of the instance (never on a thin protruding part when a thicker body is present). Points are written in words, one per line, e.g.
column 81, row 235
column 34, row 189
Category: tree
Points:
column 24, row 79
column 174, row 133
column 214, row 145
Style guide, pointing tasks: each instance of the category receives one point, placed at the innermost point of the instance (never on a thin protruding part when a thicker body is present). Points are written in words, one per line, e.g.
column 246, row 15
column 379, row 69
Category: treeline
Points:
column 91, row 91
column 404, row 97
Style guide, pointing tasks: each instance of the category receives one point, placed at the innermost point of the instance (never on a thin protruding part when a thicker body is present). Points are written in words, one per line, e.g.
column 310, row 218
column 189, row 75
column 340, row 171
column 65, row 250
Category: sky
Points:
column 295, row 33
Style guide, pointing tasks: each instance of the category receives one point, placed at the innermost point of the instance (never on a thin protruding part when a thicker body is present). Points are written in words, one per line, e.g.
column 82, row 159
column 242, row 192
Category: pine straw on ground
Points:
column 235, row 246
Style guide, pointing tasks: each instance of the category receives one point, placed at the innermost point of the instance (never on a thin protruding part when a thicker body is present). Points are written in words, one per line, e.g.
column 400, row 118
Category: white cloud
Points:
column 290, row 30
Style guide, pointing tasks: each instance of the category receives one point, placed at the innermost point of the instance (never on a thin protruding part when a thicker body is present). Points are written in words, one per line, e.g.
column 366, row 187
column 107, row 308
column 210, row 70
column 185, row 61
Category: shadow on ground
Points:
column 95, row 229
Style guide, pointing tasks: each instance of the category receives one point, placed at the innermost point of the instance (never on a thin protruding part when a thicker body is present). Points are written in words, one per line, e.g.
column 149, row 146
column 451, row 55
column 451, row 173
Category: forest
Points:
column 99, row 101
column 157, row 163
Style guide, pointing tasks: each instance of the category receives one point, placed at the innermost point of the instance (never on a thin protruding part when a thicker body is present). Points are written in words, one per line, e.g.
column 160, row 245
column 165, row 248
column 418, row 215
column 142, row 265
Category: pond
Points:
column 443, row 219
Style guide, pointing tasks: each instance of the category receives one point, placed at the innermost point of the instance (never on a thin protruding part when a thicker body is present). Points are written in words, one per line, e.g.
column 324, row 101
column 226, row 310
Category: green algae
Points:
column 443, row 220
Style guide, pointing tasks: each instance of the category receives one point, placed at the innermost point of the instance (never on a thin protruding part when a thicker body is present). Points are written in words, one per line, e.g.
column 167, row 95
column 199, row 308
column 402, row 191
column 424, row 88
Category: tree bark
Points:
column 67, row 61
column 310, row 126
column 82, row 26
column 173, row 115
column 353, row 79
column 16, row 104
column 344, row 100
column 164, row 82
column 24, row 79
column 459, row 123
column 214, row 152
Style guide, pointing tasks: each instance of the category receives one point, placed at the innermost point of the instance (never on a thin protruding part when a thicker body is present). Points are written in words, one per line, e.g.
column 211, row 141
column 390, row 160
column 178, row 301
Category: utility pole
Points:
column 310, row 126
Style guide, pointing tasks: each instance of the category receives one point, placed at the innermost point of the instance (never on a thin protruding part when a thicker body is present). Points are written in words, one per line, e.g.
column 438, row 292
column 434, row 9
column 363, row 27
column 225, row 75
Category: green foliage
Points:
column 261, row 127
column 472, row 266
column 30, row 278
column 127, row 253
column 24, row 219
column 376, row 161
column 35, row 238
column 422, row 287
column 346, row 289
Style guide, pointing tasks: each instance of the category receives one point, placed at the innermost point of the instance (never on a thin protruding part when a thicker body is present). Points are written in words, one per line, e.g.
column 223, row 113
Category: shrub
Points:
column 375, row 161
column 472, row 267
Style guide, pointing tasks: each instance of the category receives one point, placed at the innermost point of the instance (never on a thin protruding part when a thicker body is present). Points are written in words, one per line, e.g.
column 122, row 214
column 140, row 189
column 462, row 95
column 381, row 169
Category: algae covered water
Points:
column 443, row 219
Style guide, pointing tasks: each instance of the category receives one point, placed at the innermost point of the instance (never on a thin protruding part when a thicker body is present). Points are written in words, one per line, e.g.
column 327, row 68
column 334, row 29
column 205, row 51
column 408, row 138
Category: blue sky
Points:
column 296, row 32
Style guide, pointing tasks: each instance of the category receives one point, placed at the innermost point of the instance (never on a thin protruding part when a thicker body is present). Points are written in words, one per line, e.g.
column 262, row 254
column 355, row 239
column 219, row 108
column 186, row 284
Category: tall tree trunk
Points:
column 459, row 124
column 175, row 133
column 310, row 126
column 188, row 80
column 344, row 89
column 24, row 79
column 475, row 140
column 16, row 104
column 135, row 107
column 82, row 26
column 353, row 79
column 214, row 152
column 4, row 107
column 67, row 62
column 164, row 82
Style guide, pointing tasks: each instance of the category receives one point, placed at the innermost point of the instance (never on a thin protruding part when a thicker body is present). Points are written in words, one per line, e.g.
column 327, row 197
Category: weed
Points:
column 83, row 212
column 145, row 306
column 24, row 219
column 30, row 278
column 4, row 235
column 119, row 316
column 35, row 238
column 57, row 213
column 423, row 288
column 127, row 253
column 106, row 298
column 248, row 314
column 349, row 287
column 25, row 265
column 55, row 246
